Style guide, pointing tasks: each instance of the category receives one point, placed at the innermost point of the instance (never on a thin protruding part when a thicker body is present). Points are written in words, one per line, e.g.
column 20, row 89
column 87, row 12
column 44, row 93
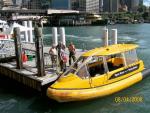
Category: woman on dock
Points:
column 53, row 54
column 63, row 60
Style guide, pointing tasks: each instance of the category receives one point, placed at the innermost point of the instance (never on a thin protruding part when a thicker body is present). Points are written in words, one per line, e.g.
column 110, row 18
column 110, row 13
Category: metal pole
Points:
column 26, row 31
column 18, row 48
column 30, row 31
column 105, row 37
column 62, row 35
column 114, row 36
column 39, row 51
column 55, row 36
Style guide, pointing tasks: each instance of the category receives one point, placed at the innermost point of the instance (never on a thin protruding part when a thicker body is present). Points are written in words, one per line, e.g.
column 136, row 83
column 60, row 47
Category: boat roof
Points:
column 110, row 50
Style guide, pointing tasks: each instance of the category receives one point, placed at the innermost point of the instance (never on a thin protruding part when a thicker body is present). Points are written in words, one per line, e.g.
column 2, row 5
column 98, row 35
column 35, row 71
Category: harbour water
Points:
column 15, row 98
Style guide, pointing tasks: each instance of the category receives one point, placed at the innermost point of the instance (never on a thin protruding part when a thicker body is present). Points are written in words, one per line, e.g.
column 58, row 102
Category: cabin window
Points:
column 75, row 66
column 91, row 67
column 83, row 72
column 130, row 57
column 95, row 66
column 114, row 61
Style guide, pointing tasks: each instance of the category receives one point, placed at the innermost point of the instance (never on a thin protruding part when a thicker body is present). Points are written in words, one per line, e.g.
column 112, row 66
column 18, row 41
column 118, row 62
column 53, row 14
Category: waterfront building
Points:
column 92, row 6
column 135, row 5
column 61, row 4
column 1, row 4
column 25, row 4
column 87, row 6
column 123, row 8
column 35, row 4
column 101, row 5
column 141, row 2
column 75, row 4
column 132, row 5
column 17, row 2
column 111, row 5
column 6, row 3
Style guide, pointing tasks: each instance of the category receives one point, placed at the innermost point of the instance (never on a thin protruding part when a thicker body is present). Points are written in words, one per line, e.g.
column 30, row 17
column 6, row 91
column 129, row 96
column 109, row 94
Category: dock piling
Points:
column 30, row 31
column 18, row 48
column 55, row 36
column 105, row 37
column 39, row 51
column 62, row 35
column 26, row 31
column 114, row 36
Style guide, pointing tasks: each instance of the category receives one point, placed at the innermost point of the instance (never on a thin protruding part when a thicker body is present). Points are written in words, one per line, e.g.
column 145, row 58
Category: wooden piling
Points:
column 39, row 51
column 18, row 48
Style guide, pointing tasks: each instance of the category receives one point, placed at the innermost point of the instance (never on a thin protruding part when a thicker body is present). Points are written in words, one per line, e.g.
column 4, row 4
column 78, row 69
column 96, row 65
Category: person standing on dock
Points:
column 60, row 47
column 63, row 60
column 72, row 52
column 53, row 54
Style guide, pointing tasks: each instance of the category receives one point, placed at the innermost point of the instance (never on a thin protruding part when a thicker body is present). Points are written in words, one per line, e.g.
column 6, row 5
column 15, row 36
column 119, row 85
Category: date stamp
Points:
column 129, row 99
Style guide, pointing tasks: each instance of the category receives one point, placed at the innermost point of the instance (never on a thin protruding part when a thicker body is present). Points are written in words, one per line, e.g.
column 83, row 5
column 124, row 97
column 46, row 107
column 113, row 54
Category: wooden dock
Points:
column 28, row 75
column 31, row 73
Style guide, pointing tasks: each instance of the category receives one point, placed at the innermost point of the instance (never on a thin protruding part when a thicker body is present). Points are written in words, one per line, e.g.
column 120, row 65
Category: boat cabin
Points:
column 114, row 61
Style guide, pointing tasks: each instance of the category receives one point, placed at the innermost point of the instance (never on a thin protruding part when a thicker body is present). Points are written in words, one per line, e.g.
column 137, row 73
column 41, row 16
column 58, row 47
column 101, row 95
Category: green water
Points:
column 15, row 98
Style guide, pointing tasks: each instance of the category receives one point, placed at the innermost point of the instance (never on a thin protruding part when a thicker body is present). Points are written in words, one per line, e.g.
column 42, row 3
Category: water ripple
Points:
column 7, row 105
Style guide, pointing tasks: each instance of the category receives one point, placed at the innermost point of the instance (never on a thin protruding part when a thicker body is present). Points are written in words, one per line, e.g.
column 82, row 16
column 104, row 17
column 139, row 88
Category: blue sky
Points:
column 147, row 2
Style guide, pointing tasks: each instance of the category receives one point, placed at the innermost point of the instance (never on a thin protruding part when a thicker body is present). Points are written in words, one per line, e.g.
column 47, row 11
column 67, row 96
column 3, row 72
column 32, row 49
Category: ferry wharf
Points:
column 35, row 73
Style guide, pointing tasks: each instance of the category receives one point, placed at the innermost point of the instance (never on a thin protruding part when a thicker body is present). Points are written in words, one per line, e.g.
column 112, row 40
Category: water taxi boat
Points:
column 99, row 72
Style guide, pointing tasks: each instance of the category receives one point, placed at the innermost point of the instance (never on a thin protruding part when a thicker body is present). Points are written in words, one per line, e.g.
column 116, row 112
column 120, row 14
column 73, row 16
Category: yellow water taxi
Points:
column 99, row 72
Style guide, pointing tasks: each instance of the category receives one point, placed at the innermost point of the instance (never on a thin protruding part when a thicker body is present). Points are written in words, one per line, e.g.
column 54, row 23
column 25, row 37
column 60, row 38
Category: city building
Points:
column 1, row 3
column 111, row 5
column 101, row 5
column 6, row 3
column 141, row 2
column 123, row 8
column 25, row 4
column 17, row 2
column 132, row 5
column 35, row 4
column 61, row 4
column 75, row 4
column 92, row 6
column 88, row 6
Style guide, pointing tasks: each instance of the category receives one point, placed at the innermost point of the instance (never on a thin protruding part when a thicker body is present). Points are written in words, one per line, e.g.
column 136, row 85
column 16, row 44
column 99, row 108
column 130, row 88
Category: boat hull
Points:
column 66, row 95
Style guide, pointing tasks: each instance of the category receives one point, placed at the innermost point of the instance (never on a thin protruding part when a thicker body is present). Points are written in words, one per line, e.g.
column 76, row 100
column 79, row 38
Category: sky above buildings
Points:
column 147, row 2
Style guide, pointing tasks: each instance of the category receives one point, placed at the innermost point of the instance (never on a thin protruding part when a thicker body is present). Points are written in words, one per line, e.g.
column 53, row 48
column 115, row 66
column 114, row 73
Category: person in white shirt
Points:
column 53, row 54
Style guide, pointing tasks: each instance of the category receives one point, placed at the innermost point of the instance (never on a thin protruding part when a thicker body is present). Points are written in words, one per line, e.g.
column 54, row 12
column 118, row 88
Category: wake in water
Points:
column 79, row 38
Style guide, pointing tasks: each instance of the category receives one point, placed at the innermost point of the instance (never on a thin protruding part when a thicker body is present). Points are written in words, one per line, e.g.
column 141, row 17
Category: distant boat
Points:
column 95, row 19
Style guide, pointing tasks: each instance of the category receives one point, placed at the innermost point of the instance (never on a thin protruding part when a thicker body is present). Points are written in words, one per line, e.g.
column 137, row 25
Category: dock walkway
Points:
column 29, row 74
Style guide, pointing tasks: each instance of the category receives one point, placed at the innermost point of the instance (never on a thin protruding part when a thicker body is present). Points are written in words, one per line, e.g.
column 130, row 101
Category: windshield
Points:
column 72, row 69
column 85, row 67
